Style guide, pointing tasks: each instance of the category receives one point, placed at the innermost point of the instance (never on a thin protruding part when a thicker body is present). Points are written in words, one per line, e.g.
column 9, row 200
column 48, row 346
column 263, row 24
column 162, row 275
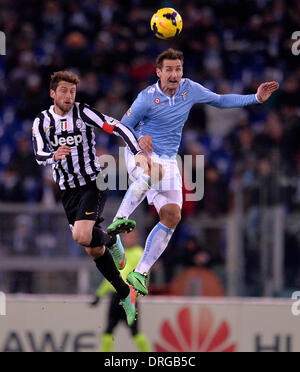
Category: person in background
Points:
column 115, row 314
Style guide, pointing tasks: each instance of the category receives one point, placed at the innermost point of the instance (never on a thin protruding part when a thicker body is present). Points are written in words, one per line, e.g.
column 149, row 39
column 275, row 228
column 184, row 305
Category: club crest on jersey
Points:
column 63, row 125
column 157, row 101
column 79, row 123
column 183, row 95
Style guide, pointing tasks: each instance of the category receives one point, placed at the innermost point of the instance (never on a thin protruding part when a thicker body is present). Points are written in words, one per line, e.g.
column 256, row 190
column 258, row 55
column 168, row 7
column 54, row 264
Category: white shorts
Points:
column 169, row 189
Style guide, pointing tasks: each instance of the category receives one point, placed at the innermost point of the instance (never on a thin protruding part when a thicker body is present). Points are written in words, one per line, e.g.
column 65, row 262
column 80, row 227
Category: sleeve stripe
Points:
column 98, row 113
column 43, row 157
column 42, row 132
column 84, row 116
column 97, row 119
column 93, row 117
column 128, row 137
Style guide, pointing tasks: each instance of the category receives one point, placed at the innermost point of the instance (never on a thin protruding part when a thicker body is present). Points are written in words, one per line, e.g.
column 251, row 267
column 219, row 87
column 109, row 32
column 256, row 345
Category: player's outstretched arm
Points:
column 111, row 126
column 204, row 95
column 265, row 90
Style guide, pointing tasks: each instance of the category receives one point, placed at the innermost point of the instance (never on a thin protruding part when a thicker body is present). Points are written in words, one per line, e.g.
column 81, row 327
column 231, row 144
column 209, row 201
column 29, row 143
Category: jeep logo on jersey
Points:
column 70, row 140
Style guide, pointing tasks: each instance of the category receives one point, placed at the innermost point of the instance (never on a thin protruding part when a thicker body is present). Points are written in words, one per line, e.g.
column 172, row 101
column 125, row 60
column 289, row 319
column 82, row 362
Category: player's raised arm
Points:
column 111, row 126
column 204, row 95
column 40, row 144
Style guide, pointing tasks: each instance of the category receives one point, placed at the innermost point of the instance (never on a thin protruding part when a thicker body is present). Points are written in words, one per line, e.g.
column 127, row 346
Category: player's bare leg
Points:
column 86, row 234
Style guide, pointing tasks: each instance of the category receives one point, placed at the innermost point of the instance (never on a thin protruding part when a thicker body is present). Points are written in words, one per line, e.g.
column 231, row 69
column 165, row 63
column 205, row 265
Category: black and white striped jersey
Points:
column 76, row 130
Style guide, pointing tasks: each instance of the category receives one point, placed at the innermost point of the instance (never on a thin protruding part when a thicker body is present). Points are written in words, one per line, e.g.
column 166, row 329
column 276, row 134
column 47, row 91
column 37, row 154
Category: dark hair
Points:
column 59, row 76
column 169, row 54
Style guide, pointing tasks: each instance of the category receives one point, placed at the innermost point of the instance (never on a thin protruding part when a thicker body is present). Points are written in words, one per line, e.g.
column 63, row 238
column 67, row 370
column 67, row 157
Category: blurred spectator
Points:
column 194, row 254
column 112, row 105
column 89, row 88
column 266, row 190
column 24, row 164
column 289, row 92
column 76, row 52
column 32, row 100
column 23, row 246
column 221, row 122
column 10, row 186
column 215, row 202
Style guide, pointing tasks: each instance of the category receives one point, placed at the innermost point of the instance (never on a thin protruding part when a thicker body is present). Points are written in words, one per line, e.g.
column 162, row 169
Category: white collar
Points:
column 56, row 116
column 163, row 93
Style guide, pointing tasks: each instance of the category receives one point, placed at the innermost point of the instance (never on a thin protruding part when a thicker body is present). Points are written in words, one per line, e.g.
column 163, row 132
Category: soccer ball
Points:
column 166, row 23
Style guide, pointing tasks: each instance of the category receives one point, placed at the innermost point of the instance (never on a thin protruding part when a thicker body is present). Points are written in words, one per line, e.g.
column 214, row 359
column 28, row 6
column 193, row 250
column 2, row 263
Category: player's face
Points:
column 64, row 96
column 171, row 74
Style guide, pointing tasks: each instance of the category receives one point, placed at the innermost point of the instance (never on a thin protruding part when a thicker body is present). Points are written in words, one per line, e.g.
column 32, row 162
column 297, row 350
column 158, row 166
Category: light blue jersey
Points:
column 163, row 117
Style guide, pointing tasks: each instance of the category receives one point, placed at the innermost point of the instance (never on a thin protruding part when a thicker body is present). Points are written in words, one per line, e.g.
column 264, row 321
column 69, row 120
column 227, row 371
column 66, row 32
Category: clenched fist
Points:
column 62, row 152
column 145, row 144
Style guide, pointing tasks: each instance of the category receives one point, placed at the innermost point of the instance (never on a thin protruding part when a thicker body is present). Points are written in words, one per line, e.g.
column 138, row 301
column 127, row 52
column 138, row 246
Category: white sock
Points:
column 156, row 244
column 134, row 196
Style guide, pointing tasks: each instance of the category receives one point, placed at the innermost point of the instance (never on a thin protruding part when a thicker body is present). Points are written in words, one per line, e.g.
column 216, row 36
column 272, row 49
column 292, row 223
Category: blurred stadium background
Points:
column 243, row 238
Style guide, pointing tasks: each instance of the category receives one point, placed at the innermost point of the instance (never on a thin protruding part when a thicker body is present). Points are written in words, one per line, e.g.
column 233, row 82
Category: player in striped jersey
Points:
column 63, row 137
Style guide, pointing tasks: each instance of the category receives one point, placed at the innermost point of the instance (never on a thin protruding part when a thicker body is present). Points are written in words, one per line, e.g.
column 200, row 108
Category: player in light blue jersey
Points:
column 158, row 116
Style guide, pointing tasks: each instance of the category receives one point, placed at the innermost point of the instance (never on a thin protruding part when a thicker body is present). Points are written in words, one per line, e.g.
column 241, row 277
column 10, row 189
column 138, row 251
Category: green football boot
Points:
column 138, row 281
column 120, row 226
column 118, row 254
column 129, row 306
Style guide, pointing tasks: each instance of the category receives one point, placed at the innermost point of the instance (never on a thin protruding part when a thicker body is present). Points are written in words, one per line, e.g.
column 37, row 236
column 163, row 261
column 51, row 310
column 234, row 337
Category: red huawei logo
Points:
column 201, row 336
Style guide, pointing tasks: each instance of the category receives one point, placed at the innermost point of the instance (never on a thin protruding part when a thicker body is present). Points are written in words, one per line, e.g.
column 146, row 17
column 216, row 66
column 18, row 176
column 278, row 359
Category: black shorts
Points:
column 84, row 203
